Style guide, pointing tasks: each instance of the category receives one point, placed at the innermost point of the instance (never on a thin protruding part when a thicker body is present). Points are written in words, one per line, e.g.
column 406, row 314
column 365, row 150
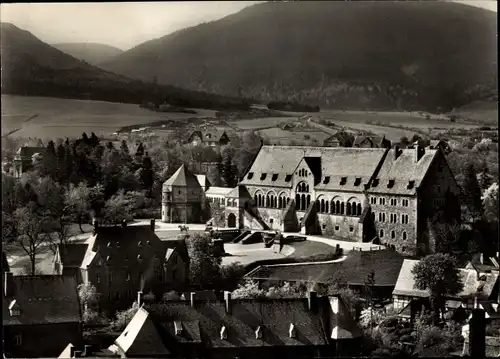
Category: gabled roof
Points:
column 273, row 316
column 203, row 181
column 334, row 161
column 211, row 135
column 354, row 269
column 43, row 299
column 403, row 170
column 72, row 254
column 183, row 178
column 66, row 353
column 139, row 338
column 376, row 141
column 405, row 284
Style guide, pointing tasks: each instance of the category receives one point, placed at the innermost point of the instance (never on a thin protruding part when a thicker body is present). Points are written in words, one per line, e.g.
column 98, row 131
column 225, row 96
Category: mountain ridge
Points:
column 337, row 54
column 90, row 52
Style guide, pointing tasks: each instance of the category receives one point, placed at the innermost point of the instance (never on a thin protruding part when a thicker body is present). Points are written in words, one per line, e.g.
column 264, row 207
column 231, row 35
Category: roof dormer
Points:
column 263, row 176
column 288, row 178
column 178, row 327
column 326, row 180
column 292, row 332
column 343, row 181
column 275, row 177
column 223, row 333
column 391, row 183
column 250, row 175
column 14, row 309
column 411, row 184
column 357, row 181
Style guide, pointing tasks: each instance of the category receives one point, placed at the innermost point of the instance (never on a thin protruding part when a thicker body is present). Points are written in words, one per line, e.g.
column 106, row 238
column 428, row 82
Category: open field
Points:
column 70, row 118
column 262, row 122
column 279, row 134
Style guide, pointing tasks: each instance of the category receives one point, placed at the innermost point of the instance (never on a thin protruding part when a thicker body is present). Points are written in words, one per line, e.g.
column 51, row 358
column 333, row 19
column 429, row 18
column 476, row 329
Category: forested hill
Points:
column 33, row 68
column 353, row 55
column 92, row 53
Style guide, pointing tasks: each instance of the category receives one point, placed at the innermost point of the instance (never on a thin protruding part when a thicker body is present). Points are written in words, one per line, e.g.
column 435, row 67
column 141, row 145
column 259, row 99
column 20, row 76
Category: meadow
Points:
column 60, row 118
column 261, row 123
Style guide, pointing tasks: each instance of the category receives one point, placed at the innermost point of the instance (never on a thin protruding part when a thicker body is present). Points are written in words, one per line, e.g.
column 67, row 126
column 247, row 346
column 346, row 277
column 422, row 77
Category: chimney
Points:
column 312, row 301
column 124, row 223
column 153, row 225
column 87, row 350
column 477, row 334
column 95, row 223
column 8, row 278
column 139, row 298
column 192, row 298
column 397, row 152
column 227, row 299
column 419, row 152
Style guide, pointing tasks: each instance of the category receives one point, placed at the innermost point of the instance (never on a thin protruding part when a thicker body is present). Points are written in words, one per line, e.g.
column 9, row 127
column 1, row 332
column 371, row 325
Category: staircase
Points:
column 259, row 220
column 241, row 236
column 255, row 237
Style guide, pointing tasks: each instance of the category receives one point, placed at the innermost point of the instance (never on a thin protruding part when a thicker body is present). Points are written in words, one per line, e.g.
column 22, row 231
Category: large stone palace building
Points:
column 358, row 194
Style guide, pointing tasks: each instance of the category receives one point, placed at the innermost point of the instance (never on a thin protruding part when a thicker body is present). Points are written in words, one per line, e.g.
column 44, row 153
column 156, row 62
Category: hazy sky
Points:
column 124, row 25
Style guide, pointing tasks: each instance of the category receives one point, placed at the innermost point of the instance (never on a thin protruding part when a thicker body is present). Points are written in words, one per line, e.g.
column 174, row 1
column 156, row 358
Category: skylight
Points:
column 288, row 178
column 275, row 177
column 326, row 180
column 391, row 183
column 250, row 175
column 263, row 176
column 411, row 184
column 343, row 180
column 357, row 181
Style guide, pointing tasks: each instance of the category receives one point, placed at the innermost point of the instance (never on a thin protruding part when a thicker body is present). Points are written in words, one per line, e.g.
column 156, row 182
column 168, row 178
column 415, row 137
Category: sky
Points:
column 125, row 25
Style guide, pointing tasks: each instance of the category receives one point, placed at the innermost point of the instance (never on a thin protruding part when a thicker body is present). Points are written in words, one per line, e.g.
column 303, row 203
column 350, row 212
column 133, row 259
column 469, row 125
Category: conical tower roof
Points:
column 183, row 178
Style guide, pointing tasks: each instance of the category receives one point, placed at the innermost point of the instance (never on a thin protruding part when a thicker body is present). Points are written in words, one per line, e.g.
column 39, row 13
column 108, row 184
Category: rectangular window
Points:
column 18, row 340
column 337, row 228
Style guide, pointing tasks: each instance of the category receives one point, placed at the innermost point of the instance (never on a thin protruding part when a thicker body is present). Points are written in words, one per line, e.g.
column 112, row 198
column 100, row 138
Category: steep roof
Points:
column 139, row 338
column 183, row 178
column 354, row 269
column 208, row 135
column 336, row 162
column 403, row 170
column 203, row 181
column 273, row 316
column 72, row 254
column 405, row 284
column 43, row 299
column 377, row 141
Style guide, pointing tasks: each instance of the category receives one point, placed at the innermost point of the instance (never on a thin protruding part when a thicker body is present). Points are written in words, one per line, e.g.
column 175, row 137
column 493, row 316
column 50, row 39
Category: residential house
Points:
column 340, row 139
column 119, row 261
column 25, row 157
column 353, row 272
column 479, row 287
column 213, row 138
column 41, row 315
column 245, row 328
column 371, row 142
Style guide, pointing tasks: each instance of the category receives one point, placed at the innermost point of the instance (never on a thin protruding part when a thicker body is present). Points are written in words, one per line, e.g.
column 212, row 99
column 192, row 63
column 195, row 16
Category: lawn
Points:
column 279, row 134
column 70, row 118
column 261, row 122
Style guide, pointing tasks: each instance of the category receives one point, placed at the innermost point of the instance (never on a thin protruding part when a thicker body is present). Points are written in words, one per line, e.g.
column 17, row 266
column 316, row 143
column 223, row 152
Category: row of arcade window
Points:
column 271, row 201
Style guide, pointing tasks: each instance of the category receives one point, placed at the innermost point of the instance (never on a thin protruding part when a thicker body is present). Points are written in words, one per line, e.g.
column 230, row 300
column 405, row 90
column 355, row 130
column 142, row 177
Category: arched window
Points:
column 307, row 188
column 308, row 201
column 326, row 206
column 404, row 235
column 256, row 199
column 393, row 234
column 297, row 202
column 267, row 200
column 337, row 207
column 359, row 209
column 287, row 200
column 348, row 209
column 342, row 208
column 322, row 206
column 381, row 233
column 318, row 206
column 303, row 202
column 332, row 207
column 275, row 202
column 280, row 202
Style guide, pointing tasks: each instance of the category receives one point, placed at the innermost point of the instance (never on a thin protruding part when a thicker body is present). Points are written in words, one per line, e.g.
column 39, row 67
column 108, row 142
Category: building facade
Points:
column 120, row 261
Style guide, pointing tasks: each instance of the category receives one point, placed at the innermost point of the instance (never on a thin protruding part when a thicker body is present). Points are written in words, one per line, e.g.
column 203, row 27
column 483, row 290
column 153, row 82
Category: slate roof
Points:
column 139, row 338
column 354, row 269
column 183, row 178
column 218, row 191
column 402, row 170
column 72, row 254
column 43, row 299
column 274, row 317
column 336, row 162
column 405, row 284
column 26, row 152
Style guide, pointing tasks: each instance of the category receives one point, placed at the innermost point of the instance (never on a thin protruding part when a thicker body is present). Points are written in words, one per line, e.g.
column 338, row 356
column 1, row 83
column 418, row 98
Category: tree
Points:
column 485, row 179
column 369, row 283
column 490, row 203
column 117, row 209
column 438, row 275
column 204, row 264
column 77, row 198
column 124, row 317
column 231, row 275
column 249, row 289
column 88, row 295
column 31, row 227
column 217, row 213
column 472, row 192
column 404, row 141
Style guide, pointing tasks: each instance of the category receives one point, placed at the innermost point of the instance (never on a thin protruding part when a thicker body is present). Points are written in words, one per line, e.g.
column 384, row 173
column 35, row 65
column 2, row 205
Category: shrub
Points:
column 124, row 317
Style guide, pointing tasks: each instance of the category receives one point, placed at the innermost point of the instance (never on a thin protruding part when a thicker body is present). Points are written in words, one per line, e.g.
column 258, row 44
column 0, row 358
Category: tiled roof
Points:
column 354, row 269
column 218, row 191
column 26, row 152
column 403, row 170
column 139, row 338
column 212, row 135
column 72, row 254
column 335, row 162
column 183, row 178
column 273, row 316
column 43, row 299
column 405, row 284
